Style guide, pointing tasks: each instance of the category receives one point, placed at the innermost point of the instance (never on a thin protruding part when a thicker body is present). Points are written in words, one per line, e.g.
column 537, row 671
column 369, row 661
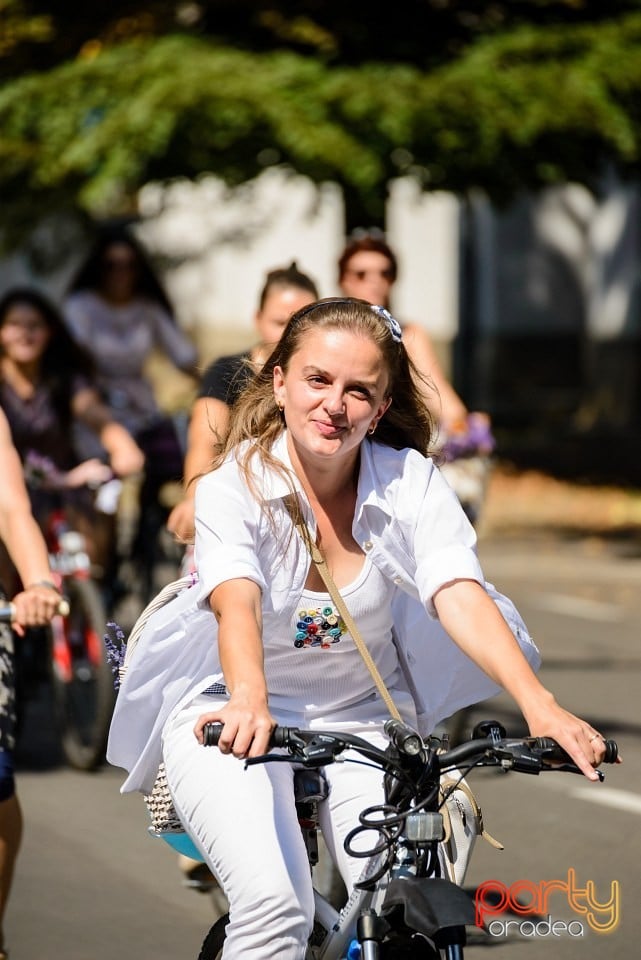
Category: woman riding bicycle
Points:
column 334, row 430
column 46, row 385
column 368, row 269
column 118, row 311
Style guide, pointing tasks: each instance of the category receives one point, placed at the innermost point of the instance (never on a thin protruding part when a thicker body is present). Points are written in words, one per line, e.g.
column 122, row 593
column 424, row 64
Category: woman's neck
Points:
column 328, row 482
column 22, row 378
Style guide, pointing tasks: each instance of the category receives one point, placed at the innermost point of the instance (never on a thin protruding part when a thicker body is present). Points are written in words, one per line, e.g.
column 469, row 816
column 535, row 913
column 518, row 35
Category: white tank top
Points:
column 314, row 667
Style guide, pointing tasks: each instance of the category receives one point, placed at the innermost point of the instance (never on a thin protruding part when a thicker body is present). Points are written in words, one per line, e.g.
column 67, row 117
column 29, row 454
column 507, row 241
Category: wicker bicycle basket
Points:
column 160, row 807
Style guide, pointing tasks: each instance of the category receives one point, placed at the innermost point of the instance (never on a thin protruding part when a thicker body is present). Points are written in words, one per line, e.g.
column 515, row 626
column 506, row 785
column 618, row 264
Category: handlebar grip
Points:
column 7, row 612
column 211, row 734
column 280, row 736
column 557, row 754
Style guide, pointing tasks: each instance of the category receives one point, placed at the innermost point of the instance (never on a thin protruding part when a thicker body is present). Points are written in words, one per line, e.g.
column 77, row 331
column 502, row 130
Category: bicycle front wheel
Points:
column 83, row 688
column 214, row 942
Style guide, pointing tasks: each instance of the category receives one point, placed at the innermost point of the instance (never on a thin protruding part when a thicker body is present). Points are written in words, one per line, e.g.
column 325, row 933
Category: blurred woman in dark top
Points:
column 285, row 290
column 46, row 384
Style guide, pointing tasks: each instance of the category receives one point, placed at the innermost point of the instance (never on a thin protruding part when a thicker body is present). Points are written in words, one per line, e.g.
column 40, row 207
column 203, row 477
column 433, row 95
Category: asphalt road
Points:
column 92, row 885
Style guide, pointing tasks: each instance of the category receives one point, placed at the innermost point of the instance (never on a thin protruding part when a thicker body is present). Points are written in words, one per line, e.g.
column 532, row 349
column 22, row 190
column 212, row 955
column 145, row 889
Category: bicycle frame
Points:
column 434, row 908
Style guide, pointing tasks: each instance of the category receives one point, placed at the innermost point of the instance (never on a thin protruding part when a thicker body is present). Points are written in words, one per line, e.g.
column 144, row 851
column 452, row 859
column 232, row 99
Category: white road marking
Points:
column 581, row 607
column 595, row 793
column 609, row 797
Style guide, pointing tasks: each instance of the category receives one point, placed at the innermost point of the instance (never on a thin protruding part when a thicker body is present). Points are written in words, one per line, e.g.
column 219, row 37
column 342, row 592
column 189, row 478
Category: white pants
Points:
column 244, row 822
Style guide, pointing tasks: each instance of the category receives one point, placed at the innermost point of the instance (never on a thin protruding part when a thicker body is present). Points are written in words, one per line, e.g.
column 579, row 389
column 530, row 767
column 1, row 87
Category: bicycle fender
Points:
column 429, row 904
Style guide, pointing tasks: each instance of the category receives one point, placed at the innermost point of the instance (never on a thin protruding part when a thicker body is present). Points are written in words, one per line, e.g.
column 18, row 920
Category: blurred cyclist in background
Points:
column 117, row 310
column 285, row 290
column 46, row 384
column 368, row 269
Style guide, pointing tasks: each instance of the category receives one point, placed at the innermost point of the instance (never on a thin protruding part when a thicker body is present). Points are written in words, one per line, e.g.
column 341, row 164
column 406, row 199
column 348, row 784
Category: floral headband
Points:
column 392, row 324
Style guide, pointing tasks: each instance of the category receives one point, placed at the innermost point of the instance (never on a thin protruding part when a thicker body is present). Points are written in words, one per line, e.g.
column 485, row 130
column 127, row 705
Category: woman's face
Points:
column 119, row 271
column 24, row 334
column 278, row 307
column 368, row 276
column 334, row 389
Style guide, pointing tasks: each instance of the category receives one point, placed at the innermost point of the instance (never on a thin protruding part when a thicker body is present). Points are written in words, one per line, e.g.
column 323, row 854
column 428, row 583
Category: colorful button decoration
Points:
column 318, row 628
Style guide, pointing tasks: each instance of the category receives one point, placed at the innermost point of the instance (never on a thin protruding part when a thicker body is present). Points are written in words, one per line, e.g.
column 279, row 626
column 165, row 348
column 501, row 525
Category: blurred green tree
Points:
column 97, row 100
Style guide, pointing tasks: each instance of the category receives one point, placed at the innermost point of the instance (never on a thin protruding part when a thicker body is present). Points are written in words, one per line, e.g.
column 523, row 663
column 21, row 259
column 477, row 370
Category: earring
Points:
column 372, row 428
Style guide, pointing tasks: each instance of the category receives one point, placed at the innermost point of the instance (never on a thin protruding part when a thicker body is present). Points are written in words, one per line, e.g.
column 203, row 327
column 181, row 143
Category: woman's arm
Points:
column 444, row 402
column 23, row 539
column 170, row 338
column 125, row 456
column 476, row 625
column 236, row 605
column 208, row 424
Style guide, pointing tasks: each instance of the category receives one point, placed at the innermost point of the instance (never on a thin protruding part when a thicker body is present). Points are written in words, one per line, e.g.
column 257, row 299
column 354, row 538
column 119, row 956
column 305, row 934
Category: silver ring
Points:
column 596, row 736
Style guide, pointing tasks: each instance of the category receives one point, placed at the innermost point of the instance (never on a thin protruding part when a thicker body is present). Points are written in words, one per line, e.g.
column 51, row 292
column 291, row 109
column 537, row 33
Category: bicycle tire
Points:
column 214, row 942
column 400, row 947
column 82, row 680
column 409, row 946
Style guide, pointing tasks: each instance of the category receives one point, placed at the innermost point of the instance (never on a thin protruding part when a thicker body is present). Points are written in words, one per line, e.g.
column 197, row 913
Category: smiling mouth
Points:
column 327, row 428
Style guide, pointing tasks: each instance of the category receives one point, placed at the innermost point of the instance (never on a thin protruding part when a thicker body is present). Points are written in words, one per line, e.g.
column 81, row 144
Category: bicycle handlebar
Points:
column 543, row 750
column 8, row 610
column 318, row 747
column 553, row 751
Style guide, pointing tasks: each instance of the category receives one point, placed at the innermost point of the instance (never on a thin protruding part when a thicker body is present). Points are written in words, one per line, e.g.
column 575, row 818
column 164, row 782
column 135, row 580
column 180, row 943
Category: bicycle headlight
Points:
column 412, row 745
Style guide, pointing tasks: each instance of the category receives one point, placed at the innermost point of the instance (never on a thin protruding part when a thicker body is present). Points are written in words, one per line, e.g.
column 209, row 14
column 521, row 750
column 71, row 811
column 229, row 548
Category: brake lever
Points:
column 269, row 758
column 309, row 754
column 572, row 768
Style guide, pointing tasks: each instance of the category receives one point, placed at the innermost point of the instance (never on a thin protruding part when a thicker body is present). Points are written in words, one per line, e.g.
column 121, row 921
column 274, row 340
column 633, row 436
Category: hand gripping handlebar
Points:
column 526, row 755
column 8, row 611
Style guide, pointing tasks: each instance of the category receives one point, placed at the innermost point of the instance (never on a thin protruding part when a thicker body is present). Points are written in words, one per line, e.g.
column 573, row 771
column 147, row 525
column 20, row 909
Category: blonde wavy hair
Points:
column 256, row 420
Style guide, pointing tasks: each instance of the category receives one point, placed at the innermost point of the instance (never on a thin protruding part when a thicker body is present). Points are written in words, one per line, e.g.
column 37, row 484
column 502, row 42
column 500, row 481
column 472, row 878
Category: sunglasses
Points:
column 386, row 274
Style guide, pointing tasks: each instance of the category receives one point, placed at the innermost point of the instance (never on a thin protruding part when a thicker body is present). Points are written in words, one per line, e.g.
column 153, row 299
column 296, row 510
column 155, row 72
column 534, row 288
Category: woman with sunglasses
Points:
column 367, row 269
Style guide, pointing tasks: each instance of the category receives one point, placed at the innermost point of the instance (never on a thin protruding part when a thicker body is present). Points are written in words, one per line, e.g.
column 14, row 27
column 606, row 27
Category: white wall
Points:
column 219, row 242
column 423, row 229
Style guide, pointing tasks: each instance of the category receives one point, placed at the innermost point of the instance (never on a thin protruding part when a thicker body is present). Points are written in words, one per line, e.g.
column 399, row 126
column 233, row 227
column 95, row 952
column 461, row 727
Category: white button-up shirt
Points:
column 412, row 527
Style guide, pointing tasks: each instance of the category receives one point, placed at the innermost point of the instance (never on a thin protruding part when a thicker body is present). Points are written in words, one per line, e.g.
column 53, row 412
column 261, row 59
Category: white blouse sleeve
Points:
column 227, row 532
column 443, row 540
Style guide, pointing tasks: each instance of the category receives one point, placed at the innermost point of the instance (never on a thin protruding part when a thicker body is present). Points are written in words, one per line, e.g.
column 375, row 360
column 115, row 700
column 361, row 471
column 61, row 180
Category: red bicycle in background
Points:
column 82, row 680
column 77, row 665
